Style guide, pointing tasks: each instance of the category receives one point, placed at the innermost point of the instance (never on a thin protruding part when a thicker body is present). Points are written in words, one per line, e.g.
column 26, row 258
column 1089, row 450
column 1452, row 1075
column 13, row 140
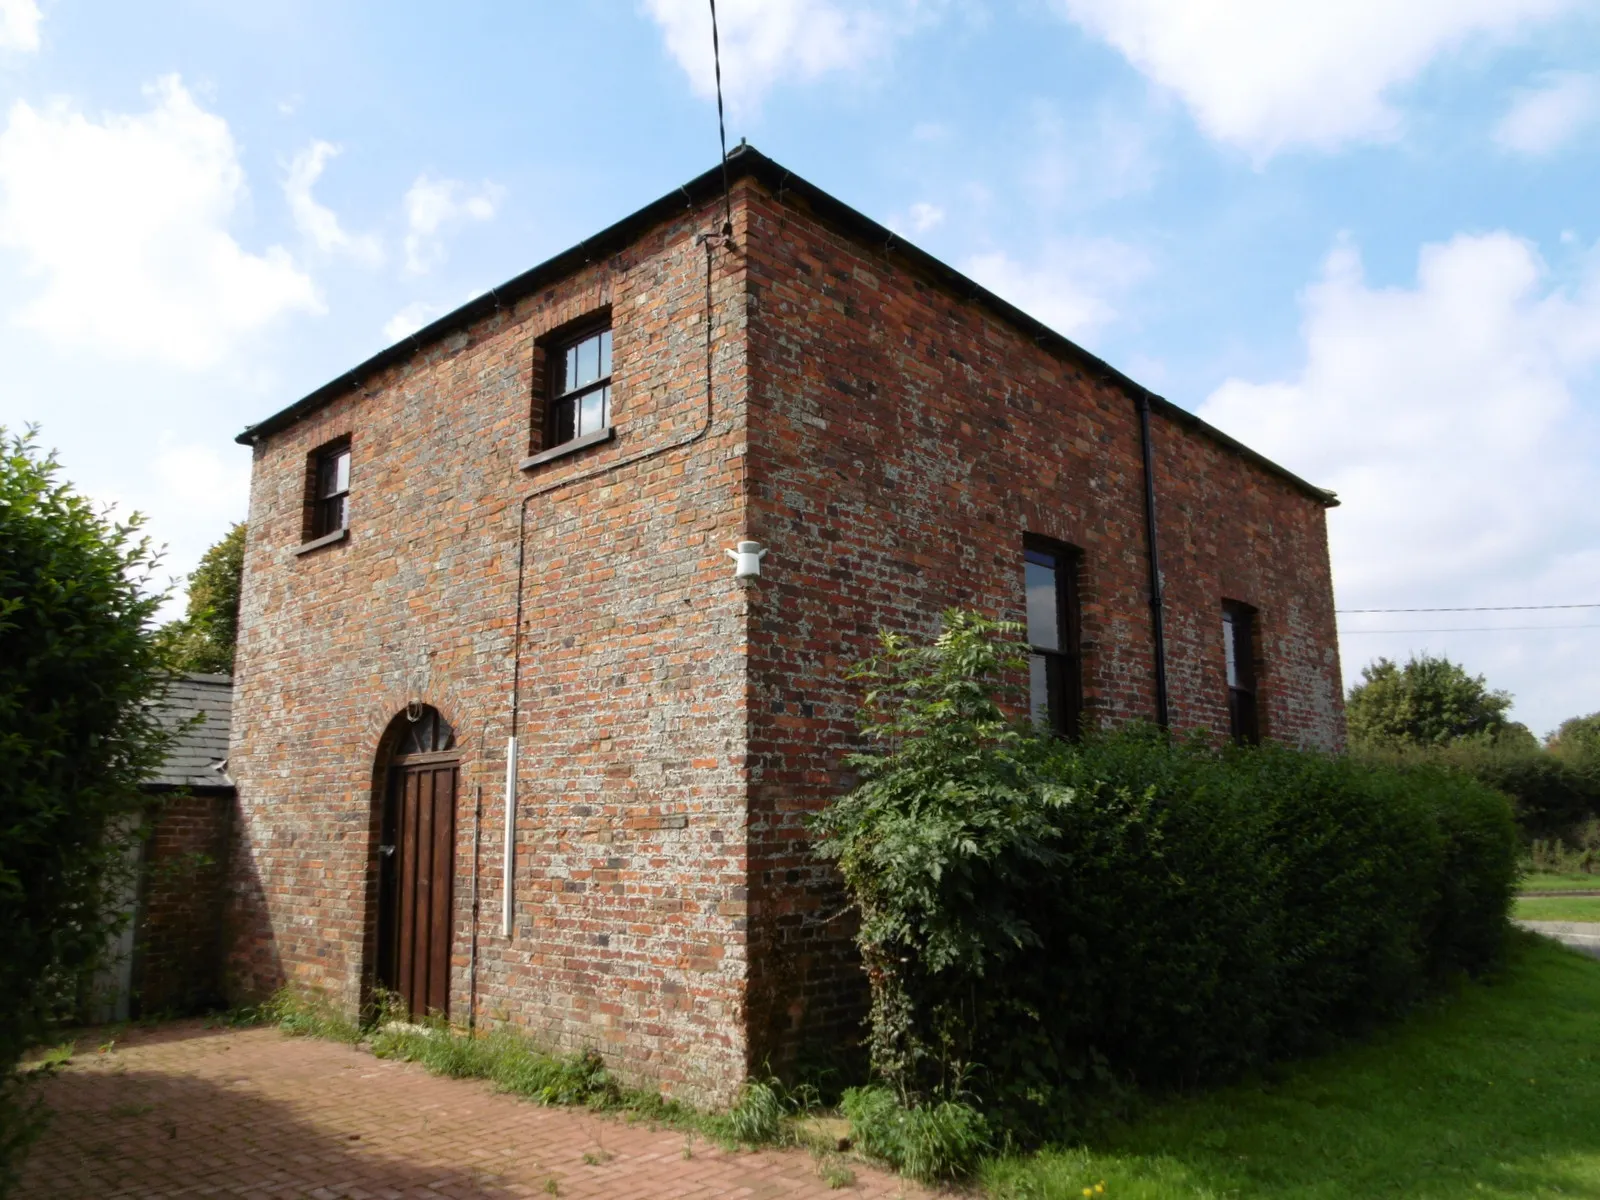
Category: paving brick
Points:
column 420, row 1136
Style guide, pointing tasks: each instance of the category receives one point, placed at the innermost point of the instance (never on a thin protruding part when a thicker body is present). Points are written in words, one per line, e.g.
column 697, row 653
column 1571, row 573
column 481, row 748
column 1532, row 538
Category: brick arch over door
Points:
column 417, row 777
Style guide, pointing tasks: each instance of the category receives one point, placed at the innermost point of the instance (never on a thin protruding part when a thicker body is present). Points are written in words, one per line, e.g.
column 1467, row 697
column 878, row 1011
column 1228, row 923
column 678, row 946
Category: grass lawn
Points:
column 1492, row 1092
column 1558, row 908
column 1575, row 882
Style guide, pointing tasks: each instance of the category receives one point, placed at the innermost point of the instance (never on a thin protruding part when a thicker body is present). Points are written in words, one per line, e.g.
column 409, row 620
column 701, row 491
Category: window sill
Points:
column 566, row 448
column 327, row 539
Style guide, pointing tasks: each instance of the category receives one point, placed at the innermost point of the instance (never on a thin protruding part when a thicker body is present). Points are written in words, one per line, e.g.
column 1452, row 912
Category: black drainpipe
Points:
column 1157, row 621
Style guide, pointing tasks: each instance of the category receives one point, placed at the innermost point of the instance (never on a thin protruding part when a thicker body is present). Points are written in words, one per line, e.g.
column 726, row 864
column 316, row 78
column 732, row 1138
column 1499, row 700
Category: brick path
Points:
column 184, row 1110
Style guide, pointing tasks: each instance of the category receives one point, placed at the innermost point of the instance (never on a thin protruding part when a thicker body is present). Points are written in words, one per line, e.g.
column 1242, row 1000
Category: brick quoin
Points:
column 887, row 429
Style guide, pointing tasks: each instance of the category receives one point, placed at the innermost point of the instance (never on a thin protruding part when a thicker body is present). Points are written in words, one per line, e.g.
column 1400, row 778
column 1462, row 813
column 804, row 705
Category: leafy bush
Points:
column 1554, row 793
column 931, row 1143
column 1042, row 922
column 78, row 673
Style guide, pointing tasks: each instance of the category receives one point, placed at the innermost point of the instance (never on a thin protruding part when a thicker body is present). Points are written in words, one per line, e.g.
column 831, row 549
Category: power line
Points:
column 1472, row 628
column 1479, row 608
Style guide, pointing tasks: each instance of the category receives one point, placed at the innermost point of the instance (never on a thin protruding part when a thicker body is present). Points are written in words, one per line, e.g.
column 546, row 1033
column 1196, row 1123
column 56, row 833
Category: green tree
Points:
column 1428, row 702
column 1577, row 737
column 79, row 669
column 203, row 638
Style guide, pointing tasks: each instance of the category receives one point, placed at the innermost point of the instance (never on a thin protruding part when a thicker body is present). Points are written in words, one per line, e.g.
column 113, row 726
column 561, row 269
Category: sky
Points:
column 1363, row 238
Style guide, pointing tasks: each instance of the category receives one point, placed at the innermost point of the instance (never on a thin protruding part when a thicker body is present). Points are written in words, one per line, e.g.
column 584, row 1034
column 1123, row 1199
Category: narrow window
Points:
column 1238, row 648
column 1055, row 682
column 330, row 490
column 580, row 393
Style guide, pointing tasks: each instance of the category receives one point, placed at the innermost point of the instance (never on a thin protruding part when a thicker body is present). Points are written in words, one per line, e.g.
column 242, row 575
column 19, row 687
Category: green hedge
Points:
column 1042, row 921
column 1554, row 794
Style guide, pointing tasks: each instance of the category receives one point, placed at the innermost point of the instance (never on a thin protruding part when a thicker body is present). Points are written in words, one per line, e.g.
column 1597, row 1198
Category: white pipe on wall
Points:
column 511, row 837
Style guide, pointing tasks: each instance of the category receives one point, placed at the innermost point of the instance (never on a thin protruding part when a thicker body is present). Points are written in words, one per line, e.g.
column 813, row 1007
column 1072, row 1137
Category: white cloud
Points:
column 765, row 42
column 124, row 221
column 19, row 25
column 1541, row 120
column 1072, row 286
column 1456, row 420
column 318, row 222
column 410, row 319
column 1264, row 75
column 436, row 205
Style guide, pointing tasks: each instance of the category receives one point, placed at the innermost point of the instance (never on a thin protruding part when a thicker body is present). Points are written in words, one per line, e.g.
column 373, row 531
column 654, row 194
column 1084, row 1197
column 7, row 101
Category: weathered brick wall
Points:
column 177, row 947
column 903, row 440
column 630, row 863
column 677, row 727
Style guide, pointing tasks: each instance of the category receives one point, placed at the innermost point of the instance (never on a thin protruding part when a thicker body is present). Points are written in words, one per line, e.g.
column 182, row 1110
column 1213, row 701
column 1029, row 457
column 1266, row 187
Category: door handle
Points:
column 386, row 851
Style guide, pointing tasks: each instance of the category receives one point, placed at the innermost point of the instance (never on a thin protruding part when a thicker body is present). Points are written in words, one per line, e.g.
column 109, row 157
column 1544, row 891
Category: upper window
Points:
column 1055, row 671
column 1238, row 649
column 580, row 395
column 330, row 489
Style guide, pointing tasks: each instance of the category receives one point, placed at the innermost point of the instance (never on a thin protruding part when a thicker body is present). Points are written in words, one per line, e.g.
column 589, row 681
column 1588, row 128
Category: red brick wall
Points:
column 630, row 869
column 177, row 955
column 902, row 442
column 677, row 726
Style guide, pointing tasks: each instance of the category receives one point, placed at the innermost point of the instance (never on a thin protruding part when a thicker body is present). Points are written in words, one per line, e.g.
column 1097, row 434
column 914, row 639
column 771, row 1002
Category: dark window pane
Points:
column 571, row 380
column 565, row 419
column 1039, row 690
column 1044, row 619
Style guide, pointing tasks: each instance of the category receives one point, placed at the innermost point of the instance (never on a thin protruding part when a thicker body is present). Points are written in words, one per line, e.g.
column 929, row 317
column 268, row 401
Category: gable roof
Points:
column 745, row 161
column 192, row 760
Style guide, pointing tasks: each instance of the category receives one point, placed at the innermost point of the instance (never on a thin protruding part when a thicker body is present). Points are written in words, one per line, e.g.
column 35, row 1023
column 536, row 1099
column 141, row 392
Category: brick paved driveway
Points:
column 184, row 1110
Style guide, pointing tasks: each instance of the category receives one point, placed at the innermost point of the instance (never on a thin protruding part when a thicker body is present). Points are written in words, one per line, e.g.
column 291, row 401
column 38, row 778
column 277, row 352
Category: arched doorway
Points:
column 416, row 868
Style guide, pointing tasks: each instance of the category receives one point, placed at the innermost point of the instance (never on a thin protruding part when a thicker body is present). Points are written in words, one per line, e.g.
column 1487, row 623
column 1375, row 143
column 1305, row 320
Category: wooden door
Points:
column 423, row 804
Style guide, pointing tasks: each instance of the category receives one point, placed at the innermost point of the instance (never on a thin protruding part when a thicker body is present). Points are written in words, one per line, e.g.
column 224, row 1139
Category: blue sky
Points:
column 1364, row 238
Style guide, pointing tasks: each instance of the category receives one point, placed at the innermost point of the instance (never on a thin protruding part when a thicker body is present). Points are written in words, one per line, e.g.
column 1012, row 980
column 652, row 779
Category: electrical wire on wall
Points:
column 712, row 240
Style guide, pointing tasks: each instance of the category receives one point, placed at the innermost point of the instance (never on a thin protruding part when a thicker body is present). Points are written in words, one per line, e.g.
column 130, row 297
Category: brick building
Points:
column 515, row 523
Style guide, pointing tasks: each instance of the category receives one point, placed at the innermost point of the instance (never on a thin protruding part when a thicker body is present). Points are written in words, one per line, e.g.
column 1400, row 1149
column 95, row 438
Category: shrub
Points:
column 1554, row 793
column 1042, row 922
column 931, row 1143
column 78, row 674
column 757, row 1115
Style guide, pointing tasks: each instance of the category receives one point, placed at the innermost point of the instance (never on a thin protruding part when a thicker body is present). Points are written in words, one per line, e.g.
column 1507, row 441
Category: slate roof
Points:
column 199, row 747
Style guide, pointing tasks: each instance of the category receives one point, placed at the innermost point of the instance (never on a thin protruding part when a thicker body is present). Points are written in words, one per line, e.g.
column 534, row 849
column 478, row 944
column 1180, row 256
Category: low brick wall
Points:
column 177, row 951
